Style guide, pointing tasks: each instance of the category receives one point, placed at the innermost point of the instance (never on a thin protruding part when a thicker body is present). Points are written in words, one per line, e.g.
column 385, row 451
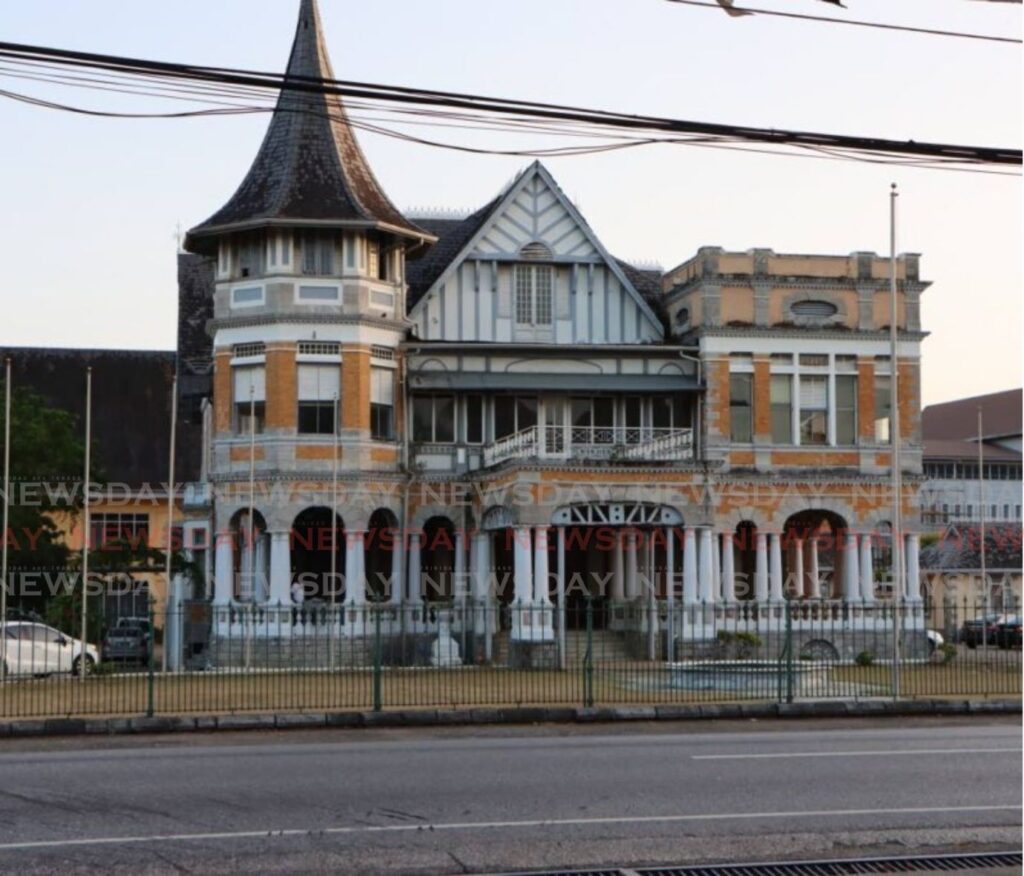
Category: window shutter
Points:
column 318, row 382
column 252, row 379
column 382, row 386
column 813, row 393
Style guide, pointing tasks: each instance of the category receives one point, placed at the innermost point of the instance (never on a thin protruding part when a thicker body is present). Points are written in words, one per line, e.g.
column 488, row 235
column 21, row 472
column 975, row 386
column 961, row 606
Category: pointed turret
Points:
column 310, row 167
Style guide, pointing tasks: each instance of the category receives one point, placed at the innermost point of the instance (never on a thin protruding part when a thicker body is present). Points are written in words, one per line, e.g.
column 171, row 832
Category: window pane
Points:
column 740, row 404
column 422, row 419
column 813, row 427
column 882, row 407
column 315, row 418
column 526, row 413
column 381, row 422
column 633, row 408
column 680, row 412
column 444, row 419
column 504, row 416
column 661, row 412
column 524, row 302
column 474, row 419
column 542, row 281
column 582, row 413
column 604, row 412
column 782, row 408
column 846, row 409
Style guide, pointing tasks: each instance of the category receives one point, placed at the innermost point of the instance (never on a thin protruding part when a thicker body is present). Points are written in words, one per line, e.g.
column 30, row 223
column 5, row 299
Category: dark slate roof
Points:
column 131, row 403
column 648, row 284
column 960, row 548
column 1001, row 417
column 195, row 360
column 452, row 235
column 310, row 166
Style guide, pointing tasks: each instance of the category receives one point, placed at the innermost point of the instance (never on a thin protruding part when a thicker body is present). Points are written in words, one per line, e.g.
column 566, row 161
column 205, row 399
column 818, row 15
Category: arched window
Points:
column 817, row 311
column 534, row 252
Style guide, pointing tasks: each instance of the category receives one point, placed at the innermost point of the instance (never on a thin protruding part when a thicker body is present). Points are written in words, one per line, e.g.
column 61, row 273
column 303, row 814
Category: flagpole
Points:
column 170, row 513
column 894, row 460
column 83, row 658
column 7, row 491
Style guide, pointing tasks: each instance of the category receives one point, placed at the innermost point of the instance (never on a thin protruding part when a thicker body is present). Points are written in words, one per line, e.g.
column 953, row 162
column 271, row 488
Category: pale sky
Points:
column 90, row 206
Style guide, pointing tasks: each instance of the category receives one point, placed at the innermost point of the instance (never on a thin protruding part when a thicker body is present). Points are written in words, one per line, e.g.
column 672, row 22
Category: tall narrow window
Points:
column 382, row 404
column 782, row 409
column 317, row 390
column 533, row 295
column 883, row 406
column 250, row 392
column 741, row 405
column 474, row 419
column 813, row 409
column 433, row 419
column 846, row 410
column 513, row 414
column 250, row 257
column 318, row 254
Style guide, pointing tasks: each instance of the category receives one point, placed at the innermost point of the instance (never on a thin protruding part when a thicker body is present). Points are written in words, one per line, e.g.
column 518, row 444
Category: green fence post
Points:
column 588, row 658
column 376, row 659
column 789, row 652
column 149, row 660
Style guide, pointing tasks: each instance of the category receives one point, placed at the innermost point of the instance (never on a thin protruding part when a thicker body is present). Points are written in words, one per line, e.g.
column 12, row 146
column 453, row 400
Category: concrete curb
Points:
column 528, row 715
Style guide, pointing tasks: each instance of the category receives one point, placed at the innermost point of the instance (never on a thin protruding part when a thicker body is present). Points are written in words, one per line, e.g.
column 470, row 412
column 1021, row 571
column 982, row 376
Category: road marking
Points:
column 485, row 825
column 895, row 752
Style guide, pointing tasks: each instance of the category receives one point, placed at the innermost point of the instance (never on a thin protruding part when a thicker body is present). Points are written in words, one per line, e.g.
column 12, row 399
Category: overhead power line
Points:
column 473, row 109
column 735, row 11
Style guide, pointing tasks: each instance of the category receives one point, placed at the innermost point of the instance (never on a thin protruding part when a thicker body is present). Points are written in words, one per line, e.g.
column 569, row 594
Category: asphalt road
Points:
column 471, row 802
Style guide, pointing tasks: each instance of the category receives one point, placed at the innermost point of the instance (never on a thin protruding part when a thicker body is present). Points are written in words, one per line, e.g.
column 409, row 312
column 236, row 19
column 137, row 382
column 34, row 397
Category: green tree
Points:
column 47, row 457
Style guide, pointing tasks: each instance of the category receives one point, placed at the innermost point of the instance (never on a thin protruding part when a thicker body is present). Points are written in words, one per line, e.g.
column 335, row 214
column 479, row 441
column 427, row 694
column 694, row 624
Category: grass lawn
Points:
column 636, row 683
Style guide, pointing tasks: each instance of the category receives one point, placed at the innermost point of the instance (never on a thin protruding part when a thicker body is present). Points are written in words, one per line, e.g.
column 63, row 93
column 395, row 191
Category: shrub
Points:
column 865, row 658
column 948, row 652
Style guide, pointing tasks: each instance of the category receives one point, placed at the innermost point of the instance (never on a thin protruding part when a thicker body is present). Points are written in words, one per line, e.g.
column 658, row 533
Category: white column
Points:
column 459, row 583
column 728, row 568
column 541, row 577
column 798, row 569
column 261, row 585
column 415, row 593
column 851, row 568
column 761, row 567
column 913, row 549
column 355, row 576
column 479, row 565
column 706, row 574
column 775, row 593
column 867, row 574
column 397, row 594
column 618, row 593
column 280, row 569
column 689, row 565
column 224, row 569
column 813, row 572
column 631, row 563
column 522, row 565
column 670, row 563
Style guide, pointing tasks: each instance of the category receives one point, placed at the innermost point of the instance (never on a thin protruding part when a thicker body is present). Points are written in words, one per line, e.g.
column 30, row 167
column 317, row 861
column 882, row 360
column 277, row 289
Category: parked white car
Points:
column 37, row 649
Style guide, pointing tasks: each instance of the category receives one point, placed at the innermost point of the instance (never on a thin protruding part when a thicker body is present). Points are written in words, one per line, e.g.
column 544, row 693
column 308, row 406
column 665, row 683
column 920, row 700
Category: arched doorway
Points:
column 820, row 537
column 251, row 564
column 745, row 547
column 313, row 542
column 381, row 546
column 438, row 560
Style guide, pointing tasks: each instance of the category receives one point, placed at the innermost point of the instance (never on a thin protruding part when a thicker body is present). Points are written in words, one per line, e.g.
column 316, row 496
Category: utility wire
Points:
column 507, row 110
column 749, row 10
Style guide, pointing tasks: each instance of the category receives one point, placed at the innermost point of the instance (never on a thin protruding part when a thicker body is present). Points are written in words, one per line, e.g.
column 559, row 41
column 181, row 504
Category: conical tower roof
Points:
column 310, row 167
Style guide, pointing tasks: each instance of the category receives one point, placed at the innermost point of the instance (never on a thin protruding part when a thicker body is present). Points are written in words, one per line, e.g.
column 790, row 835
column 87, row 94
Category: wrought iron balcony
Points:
column 604, row 443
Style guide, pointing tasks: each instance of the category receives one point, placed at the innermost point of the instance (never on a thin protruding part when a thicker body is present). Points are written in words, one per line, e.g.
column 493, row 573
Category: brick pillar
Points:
column 762, row 400
column 355, row 388
column 717, row 409
column 282, row 388
column 222, row 392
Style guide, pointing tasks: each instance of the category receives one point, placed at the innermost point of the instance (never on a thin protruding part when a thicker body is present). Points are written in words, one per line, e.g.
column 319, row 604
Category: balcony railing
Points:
column 634, row 444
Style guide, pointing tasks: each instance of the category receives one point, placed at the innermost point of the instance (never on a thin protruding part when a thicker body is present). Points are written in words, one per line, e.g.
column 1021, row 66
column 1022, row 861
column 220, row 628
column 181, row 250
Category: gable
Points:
column 595, row 298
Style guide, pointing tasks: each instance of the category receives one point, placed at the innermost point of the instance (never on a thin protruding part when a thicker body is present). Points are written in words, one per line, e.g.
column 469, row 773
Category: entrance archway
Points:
column 312, row 540
column 438, row 560
column 817, row 531
column 381, row 545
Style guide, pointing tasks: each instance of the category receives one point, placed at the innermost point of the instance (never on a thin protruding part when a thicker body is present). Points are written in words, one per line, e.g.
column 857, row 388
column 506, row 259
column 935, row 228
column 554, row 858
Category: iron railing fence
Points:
column 205, row 659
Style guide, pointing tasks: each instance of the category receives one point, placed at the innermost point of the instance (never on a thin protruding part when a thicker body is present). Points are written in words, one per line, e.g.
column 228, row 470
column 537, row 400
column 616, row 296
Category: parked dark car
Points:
column 128, row 641
column 1008, row 633
column 979, row 630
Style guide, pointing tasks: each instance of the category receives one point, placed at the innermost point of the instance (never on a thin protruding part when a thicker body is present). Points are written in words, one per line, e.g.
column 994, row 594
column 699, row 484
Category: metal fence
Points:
column 206, row 659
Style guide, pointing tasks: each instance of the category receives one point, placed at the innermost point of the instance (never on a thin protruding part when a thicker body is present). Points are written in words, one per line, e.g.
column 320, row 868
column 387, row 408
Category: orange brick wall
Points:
column 718, row 400
column 282, row 387
column 866, row 399
column 316, row 451
column 355, row 388
column 222, row 392
column 762, row 399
